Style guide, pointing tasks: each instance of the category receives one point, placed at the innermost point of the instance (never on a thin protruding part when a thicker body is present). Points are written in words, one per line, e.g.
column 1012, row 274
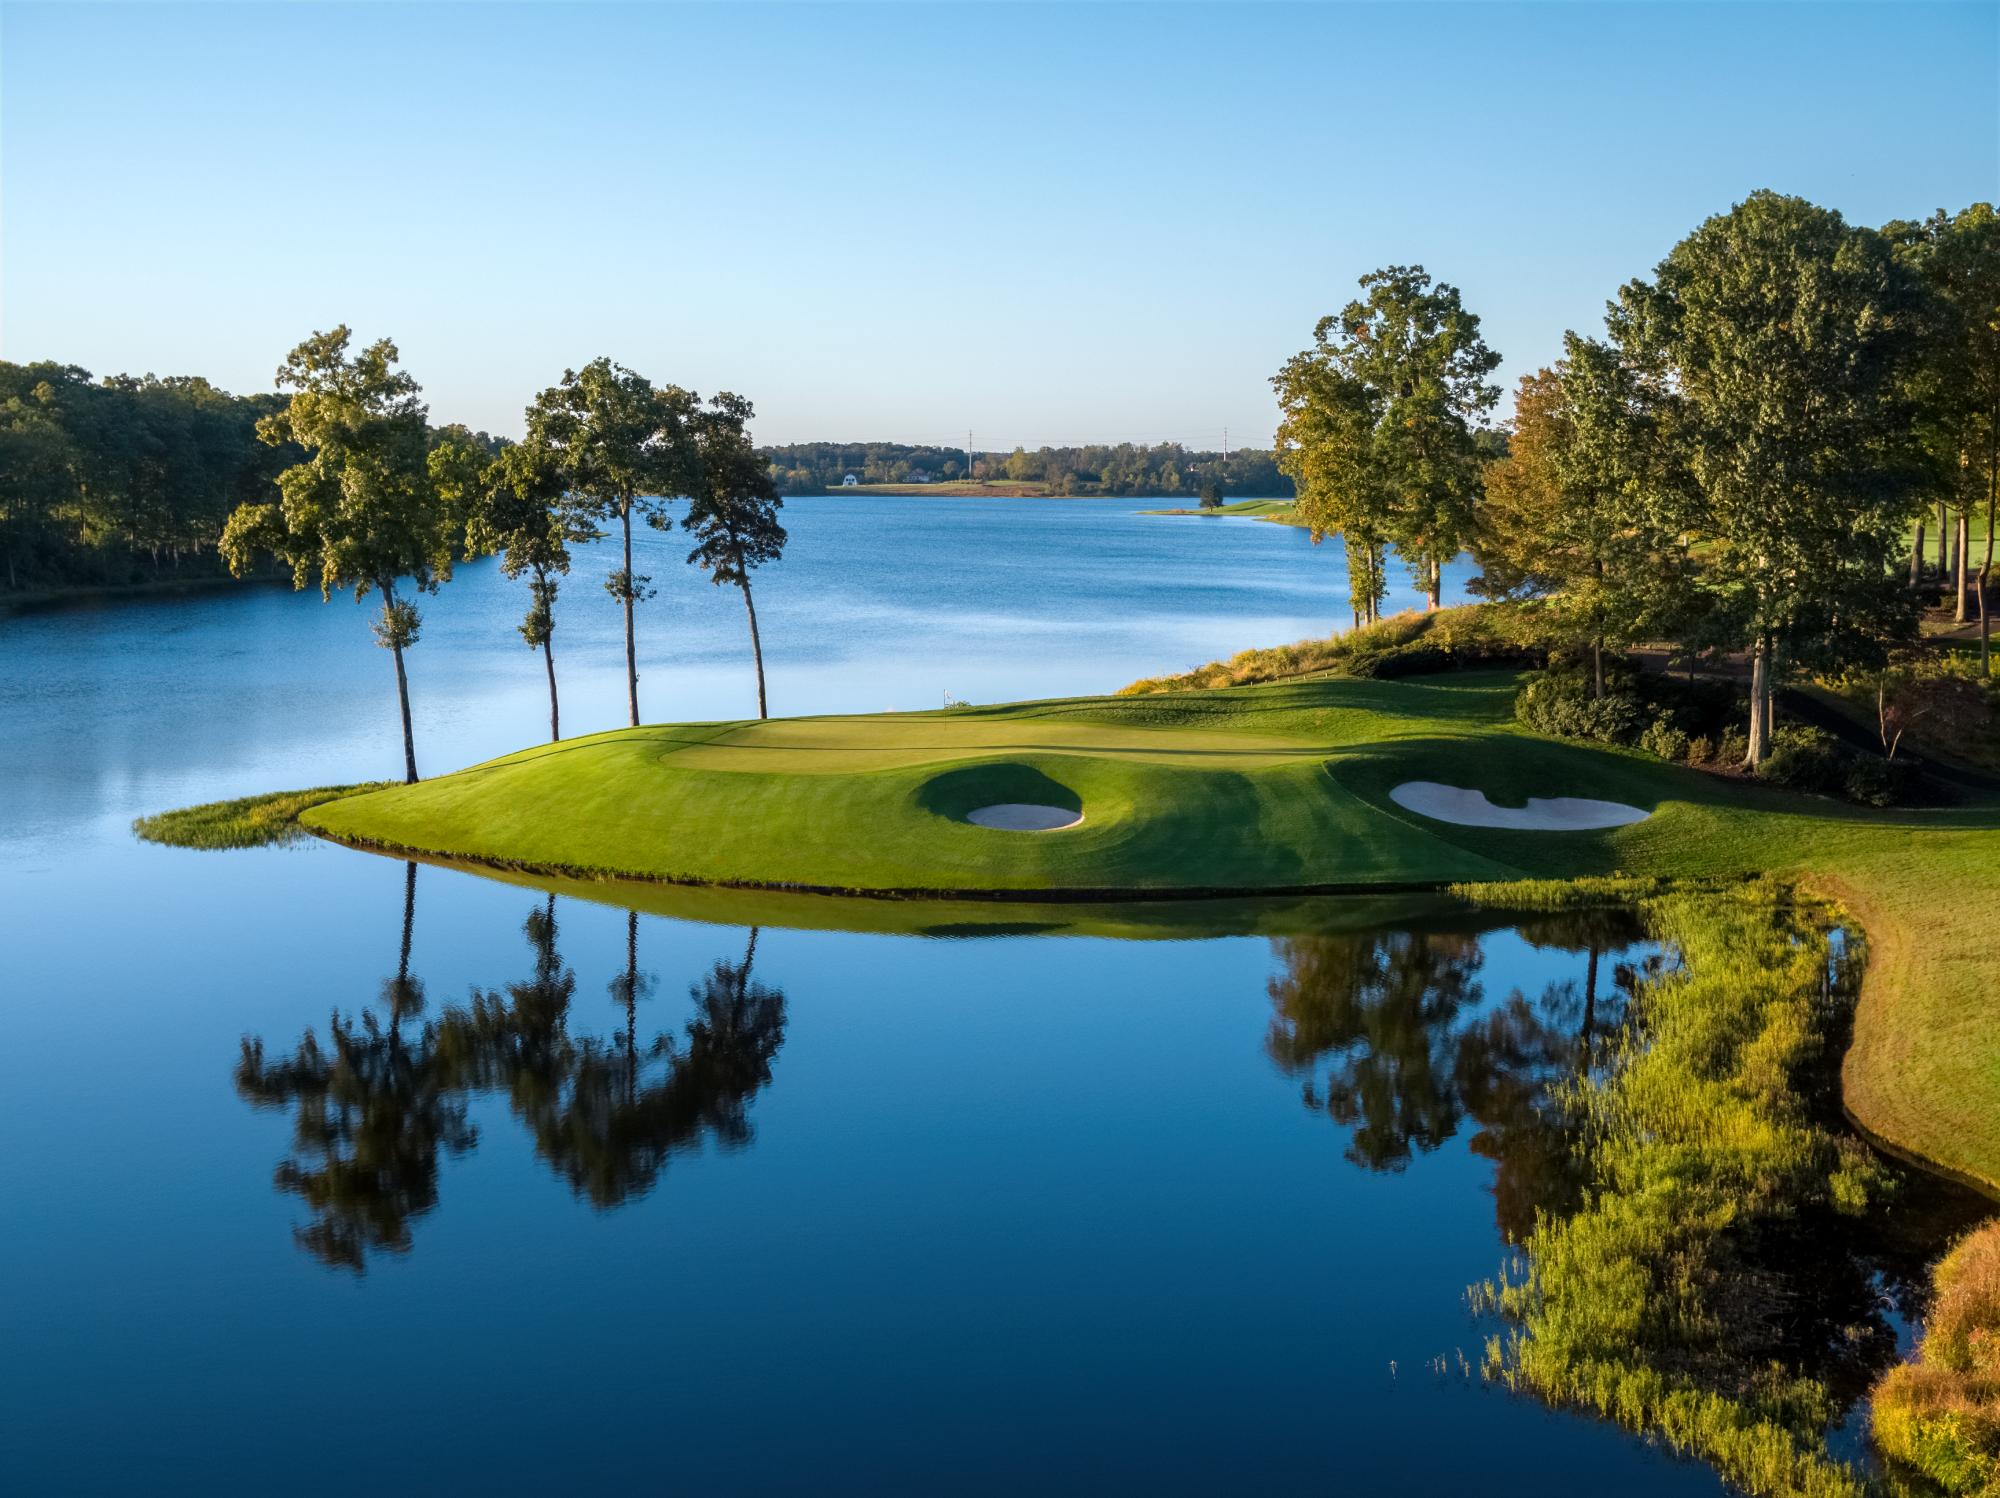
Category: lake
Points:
column 723, row 1197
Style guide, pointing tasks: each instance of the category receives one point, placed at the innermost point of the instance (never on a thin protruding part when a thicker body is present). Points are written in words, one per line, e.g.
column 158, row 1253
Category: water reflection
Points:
column 1391, row 1034
column 372, row 1113
column 376, row 1108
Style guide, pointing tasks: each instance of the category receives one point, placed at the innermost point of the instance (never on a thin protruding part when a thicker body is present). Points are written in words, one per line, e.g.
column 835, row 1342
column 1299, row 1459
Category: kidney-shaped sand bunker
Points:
column 1469, row 808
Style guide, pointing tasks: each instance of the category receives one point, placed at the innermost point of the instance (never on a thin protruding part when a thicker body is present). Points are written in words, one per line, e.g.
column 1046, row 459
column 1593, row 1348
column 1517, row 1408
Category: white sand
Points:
column 1466, row 808
column 1024, row 816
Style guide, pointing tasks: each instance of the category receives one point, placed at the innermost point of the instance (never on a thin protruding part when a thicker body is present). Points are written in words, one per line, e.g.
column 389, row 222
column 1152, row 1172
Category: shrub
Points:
column 1700, row 750
column 1734, row 747
column 1874, row 781
column 1664, row 740
column 1804, row 759
column 1560, row 702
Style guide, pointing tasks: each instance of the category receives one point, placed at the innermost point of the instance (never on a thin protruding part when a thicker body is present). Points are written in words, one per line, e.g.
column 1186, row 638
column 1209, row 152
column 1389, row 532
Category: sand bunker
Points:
column 1024, row 816
column 1467, row 808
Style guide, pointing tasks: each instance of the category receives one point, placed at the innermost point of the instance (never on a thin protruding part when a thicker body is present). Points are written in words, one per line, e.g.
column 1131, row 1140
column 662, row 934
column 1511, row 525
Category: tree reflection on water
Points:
column 1391, row 1033
column 376, row 1107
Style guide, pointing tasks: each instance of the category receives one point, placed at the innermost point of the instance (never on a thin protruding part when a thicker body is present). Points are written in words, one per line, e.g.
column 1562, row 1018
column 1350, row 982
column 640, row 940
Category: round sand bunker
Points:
column 1024, row 816
column 1469, row 808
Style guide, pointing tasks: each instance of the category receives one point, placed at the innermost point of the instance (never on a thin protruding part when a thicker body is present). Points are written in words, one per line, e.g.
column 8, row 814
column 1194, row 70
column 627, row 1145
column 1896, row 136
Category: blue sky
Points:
column 1048, row 224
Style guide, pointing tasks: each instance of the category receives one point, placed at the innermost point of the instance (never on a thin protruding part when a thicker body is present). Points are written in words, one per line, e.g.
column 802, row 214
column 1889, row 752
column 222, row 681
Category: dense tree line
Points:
column 1163, row 470
column 1736, row 467
column 124, row 479
column 130, row 479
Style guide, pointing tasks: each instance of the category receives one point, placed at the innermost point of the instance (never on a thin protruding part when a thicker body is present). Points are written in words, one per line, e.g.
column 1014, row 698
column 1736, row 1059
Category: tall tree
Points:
column 1578, row 510
column 1419, row 365
column 621, row 445
column 733, row 513
column 1956, row 387
column 1777, row 338
column 1326, row 446
column 361, row 511
column 516, row 505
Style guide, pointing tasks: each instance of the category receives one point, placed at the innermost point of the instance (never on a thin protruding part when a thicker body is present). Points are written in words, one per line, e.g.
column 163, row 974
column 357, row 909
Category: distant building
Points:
column 920, row 475
column 850, row 482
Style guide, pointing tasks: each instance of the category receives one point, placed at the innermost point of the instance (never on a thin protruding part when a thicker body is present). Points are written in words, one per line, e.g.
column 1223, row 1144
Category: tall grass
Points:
column 247, row 822
column 1400, row 645
column 1941, row 1414
column 1701, row 1130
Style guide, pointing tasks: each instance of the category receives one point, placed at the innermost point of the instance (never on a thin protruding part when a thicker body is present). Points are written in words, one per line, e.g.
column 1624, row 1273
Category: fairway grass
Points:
column 1281, row 788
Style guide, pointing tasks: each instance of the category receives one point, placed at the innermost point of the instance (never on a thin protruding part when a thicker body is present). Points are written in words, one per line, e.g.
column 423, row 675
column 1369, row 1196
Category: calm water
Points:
column 713, row 1200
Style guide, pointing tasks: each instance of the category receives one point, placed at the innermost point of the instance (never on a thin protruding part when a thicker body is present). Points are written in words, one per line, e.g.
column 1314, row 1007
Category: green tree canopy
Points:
column 1776, row 339
column 361, row 510
column 733, row 512
column 622, row 446
column 1400, row 376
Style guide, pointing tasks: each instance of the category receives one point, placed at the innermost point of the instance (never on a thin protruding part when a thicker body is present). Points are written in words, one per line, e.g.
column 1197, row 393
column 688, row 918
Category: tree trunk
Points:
column 1986, row 569
column 402, row 692
column 1589, row 998
column 1944, row 529
column 631, row 649
column 756, row 648
column 1760, row 703
column 1917, row 558
column 555, row 714
column 1597, row 667
column 1436, row 599
column 409, row 922
column 631, row 1005
column 1961, row 555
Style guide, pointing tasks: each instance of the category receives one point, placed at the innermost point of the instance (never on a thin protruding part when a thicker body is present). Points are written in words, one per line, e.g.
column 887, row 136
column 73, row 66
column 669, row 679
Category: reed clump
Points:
column 246, row 822
column 1702, row 1129
column 1941, row 1413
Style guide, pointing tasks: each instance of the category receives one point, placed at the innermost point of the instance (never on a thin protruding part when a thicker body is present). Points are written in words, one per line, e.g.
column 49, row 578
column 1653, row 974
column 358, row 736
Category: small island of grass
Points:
column 1278, row 511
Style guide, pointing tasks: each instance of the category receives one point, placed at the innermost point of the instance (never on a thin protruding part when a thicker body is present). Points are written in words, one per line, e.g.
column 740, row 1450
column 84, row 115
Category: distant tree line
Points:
column 1163, row 470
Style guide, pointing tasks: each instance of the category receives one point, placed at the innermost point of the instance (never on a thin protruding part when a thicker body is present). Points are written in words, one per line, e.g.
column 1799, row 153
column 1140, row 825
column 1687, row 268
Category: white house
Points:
column 850, row 482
